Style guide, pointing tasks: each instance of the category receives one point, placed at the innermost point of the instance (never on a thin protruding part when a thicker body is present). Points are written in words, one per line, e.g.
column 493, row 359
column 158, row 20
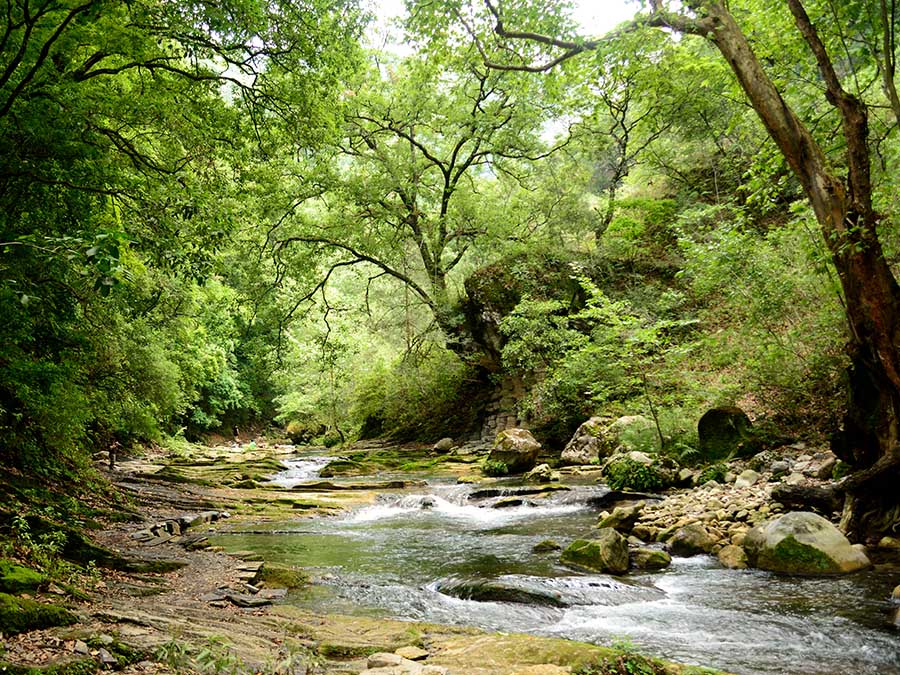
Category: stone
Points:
column 746, row 478
column 891, row 543
column 542, row 473
column 650, row 559
column 546, row 546
column 725, row 432
column 821, row 466
column 733, row 557
column 606, row 552
column 895, row 595
column 543, row 669
column 795, row 478
column 412, row 653
column 685, row 477
column 106, row 658
column 516, row 448
column 691, row 539
column 586, row 445
column 623, row 518
column 384, row 660
column 247, row 601
column 780, row 467
column 802, row 542
column 444, row 445
column 80, row 647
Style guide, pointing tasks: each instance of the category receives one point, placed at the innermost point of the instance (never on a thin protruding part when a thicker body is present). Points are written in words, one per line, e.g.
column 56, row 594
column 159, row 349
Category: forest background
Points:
column 233, row 215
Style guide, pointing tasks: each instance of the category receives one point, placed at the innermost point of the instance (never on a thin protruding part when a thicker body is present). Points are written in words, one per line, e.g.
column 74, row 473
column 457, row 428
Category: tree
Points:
column 418, row 179
column 840, row 193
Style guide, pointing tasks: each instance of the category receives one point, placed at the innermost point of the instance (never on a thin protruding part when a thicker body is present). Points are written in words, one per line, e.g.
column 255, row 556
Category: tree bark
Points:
column 843, row 208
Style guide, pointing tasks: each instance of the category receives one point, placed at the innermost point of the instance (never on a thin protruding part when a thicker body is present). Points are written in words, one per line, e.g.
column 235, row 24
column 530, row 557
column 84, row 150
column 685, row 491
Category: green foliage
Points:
column 217, row 657
column 629, row 473
column 494, row 468
column 714, row 472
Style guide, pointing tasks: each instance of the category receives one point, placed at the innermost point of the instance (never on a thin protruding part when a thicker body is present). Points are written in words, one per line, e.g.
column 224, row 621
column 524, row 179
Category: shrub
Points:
column 494, row 468
column 714, row 472
column 628, row 473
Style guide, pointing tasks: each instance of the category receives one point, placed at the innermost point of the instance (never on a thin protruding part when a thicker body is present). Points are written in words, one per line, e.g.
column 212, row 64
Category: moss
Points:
column 790, row 556
column 331, row 650
column 76, row 667
column 124, row 653
column 19, row 615
column 15, row 578
column 282, row 576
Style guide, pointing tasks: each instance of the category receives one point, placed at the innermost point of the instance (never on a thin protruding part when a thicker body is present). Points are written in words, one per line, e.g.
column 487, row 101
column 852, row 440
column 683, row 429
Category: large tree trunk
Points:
column 843, row 208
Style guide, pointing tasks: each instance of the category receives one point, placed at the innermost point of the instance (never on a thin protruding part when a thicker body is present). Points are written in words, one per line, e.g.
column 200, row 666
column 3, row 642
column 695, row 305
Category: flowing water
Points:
column 448, row 555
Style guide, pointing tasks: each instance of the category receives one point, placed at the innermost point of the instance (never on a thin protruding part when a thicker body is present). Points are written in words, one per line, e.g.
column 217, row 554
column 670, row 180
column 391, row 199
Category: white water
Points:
column 299, row 470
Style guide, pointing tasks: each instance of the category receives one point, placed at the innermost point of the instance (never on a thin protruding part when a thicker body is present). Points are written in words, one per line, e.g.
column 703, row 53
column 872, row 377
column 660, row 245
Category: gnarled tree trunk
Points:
column 843, row 208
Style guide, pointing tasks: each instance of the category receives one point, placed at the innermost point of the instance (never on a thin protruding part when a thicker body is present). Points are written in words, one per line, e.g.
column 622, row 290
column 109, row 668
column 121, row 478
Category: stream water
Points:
column 448, row 555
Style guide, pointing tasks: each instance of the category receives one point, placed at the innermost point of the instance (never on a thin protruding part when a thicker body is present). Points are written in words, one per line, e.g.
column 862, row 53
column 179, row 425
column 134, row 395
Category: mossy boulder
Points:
column 803, row 543
column 585, row 446
column 606, row 552
column 650, row 559
column 15, row 578
column 725, row 432
column 282, row 576
column 20, row 615
column 516, row 448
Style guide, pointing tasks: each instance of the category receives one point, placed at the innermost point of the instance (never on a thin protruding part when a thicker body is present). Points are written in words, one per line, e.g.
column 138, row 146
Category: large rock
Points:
column 691, row 539
column 725, row 432
column 802, row 542
column 586, row 446
column 650, row 559
column 733, row 557
column 516, row 448
column 607, row 552
column 623, row 518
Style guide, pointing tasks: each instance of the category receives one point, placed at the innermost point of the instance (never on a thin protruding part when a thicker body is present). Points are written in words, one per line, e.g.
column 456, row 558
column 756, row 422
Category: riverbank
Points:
column 191, row 618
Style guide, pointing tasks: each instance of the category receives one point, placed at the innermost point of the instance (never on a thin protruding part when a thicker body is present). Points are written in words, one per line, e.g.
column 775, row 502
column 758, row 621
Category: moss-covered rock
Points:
column 282, row 576
column 607, row 552
column 650, row 559
column 20, row 615
column 801, row 542
column 15, row 578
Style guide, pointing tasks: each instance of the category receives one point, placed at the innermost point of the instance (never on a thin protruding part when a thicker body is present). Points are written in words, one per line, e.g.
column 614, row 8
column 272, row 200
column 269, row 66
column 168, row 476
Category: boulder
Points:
column 895, row 595
column 542, row 473
column 15, row 578
column 631, row 432
column 733, row 557
column 444, row 445
column 516, row 448
column 623, row 518
column 545, row 546
column 692, row 539
column 586, row 445
column 725, row 432
column 607, row 552
column 650, row 559
column 801, row 542
column 746, row 479
column 891, row 543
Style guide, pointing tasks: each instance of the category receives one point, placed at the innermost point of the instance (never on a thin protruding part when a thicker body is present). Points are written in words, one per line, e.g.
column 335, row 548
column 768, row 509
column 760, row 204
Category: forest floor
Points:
column 180, row 622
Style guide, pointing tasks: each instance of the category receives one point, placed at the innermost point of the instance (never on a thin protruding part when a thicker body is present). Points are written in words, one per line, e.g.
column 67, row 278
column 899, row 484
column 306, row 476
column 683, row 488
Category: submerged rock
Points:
column 650, row 559
column 607, row 552
column 516, row 448
column 802, row 542
column 546, row 546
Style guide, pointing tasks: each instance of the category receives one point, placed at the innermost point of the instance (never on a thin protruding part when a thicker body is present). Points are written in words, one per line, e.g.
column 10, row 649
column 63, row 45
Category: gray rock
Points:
column 542, row 473
column 746, row 479
column 650, row 559
column 384, row 660
column 106, row 658
column 516, row 448
column 733, row 557
column 444, row 445
column 691, row 539
column 585, row 446
column 780, row 467
column 802, row 542
column 623, row 518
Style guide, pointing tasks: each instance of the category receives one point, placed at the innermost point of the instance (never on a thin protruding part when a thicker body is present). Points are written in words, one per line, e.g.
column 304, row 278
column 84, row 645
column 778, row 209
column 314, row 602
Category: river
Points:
column 446, row 554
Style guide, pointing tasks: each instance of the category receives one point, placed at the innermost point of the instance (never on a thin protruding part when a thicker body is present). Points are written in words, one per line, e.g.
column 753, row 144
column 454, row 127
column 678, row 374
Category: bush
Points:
column 628, row 473
column 494, row 468
column 714, row 472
